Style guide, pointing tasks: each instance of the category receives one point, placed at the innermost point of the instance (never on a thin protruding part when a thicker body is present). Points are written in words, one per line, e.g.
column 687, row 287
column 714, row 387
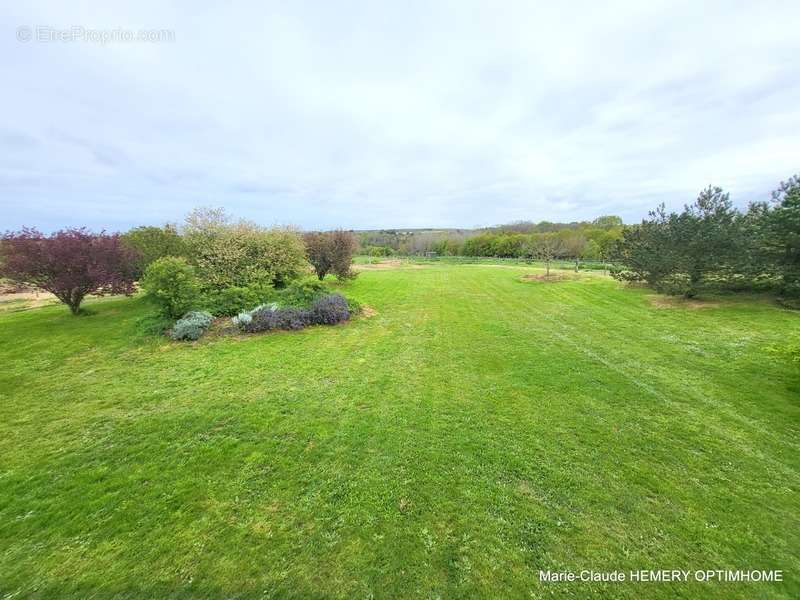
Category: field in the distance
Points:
column 475, row 430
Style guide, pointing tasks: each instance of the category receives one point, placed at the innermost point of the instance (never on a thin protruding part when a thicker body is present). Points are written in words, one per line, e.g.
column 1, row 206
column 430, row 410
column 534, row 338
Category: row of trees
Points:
column 581, row 240
column 210, row 255
column 708, row 243
column 711, row 243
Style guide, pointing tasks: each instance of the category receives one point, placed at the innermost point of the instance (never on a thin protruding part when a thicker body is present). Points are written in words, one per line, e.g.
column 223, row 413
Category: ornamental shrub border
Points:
column 329, row 309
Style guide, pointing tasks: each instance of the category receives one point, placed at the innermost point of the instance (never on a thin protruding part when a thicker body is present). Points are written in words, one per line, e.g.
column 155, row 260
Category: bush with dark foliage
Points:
column 269, row 318
column 291, row 317
column 330, row 310
column 331, row 252
column 712, row 245
column 70, row 264
column 260, row 319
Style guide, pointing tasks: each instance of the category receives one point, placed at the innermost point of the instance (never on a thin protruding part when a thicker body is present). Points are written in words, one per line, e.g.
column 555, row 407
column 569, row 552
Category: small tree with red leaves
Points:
column 70, row 263
column 331, row 252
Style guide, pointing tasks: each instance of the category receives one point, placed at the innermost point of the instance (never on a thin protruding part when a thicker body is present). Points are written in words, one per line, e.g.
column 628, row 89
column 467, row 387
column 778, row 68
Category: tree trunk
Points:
column 74, row 301
column 694, row 280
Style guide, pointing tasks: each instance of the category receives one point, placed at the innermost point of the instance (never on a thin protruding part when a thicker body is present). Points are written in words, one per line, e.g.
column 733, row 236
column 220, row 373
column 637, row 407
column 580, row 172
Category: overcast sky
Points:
column 388, row 114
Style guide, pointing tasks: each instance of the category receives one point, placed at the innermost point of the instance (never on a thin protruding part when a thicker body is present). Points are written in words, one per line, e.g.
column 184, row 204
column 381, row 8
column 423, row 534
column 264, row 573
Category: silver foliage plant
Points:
column 192, row 326
column 243, row 319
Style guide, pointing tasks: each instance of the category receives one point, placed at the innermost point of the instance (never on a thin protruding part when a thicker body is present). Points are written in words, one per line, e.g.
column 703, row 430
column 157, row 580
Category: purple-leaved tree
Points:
column 70, row 263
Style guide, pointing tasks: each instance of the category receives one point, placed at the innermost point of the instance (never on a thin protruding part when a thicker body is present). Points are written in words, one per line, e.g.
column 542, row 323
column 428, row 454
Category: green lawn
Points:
column 477, row 429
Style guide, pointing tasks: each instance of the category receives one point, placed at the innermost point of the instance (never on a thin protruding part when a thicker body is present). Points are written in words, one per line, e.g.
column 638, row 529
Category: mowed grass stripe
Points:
column 475, row 430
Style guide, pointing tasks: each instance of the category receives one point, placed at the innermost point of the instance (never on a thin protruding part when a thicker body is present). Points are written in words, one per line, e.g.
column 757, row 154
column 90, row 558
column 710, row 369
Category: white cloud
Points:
column 413, row 114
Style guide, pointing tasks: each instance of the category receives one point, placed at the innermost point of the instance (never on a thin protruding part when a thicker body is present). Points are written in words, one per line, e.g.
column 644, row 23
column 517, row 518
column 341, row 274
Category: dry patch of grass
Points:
column 387, row 264
column 494, row 266
column 11, row 287
column 222, row 327
column 659, row 301
column 25, row 300
column 553, row 277
column 27, row 295
column 368, row 311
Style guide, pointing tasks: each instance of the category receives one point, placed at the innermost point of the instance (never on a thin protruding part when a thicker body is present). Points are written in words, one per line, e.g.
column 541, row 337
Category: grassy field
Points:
column 585, row 265
column 478, row 428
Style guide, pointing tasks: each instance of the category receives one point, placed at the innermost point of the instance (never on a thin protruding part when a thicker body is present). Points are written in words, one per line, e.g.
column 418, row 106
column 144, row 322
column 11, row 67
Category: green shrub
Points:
column 172, row 283
column 301, row 293
column 791, row 290
column 241, row 253
column 152, row 243
column 192, row 326
column 623, row 274
column 237, row 300
column 676, row 284
column 233, row 300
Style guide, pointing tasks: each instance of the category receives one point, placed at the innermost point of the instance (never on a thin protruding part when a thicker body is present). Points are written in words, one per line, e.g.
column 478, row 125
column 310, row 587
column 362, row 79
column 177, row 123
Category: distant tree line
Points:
column 587, row 240
column 711, row 244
